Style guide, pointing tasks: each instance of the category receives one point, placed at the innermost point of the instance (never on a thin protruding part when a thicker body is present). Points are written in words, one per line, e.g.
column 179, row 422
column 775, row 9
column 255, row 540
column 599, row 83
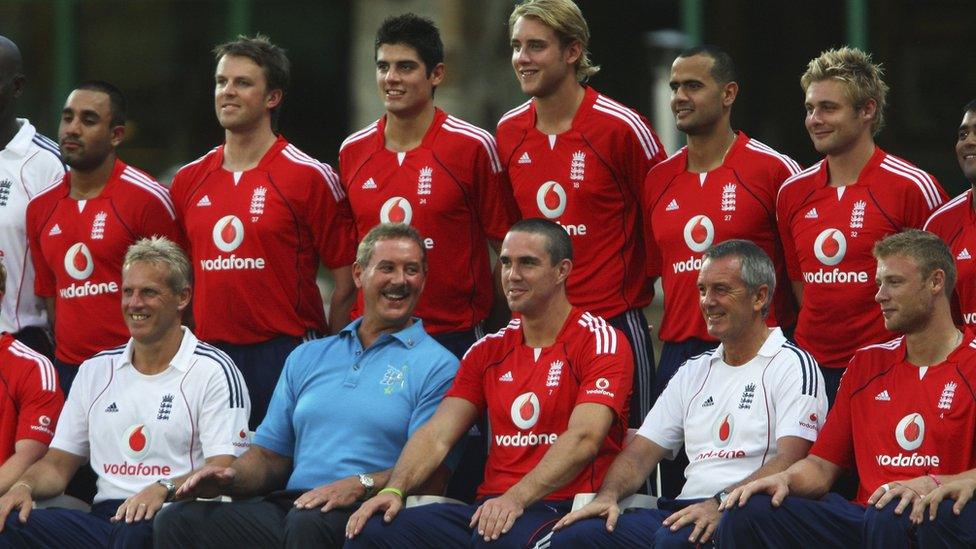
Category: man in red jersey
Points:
column 79, row 228
column 955, row 222
column 554, row 385
column 904, row 419
column 421, row 166
column 259, row 216
column 831, row 214
column 579, row 158
column 30, row 404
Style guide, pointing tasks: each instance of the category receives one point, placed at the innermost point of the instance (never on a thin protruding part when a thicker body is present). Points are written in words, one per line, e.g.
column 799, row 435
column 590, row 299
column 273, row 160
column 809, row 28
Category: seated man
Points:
column 749, row 408
column 554, row 384
column 143, row 414
column 903, row 418
column 29, row 404
column 342, row 411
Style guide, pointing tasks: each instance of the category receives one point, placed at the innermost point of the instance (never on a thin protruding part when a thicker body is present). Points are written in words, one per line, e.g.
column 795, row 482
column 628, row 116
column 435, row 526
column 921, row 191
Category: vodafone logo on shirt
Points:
column 228, row 233
column 551, row 199
column 78, row 261
column 722, row 430
column 830, row 247
column 525, row 410
column 135, row 441
column 699, row 233
column 909, row 433
column 396, row 209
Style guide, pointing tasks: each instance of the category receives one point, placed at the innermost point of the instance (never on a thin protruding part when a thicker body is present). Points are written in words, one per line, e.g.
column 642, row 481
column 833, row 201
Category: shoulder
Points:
column 359, row 137
column 616, row 117
column 798, row 183
column 139, row 183
column 497, row 343
column 913, row 178
column 47, row 197
column 877, row 356
column 50, row 153
column 764, row 154
column 213, row 364
column 516, row 118
column 28, row 360
column 291, row 158
column 191, row 171
column 596, row 335
column 435, row 356
column 668, row 167
column 467, row 135
column 946, row 217
column 100, row 366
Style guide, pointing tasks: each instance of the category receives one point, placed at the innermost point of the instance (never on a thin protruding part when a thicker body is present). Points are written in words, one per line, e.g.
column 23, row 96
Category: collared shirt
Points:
column 138, row 428
column 340, row 409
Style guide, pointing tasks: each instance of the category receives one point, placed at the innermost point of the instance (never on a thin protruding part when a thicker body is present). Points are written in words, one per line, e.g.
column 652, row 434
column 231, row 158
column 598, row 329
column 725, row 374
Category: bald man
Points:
column 29, row 162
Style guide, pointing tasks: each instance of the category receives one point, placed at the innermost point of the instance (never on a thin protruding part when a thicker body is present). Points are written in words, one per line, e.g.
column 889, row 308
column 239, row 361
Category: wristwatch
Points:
column 720, row 497
column 170, row 488
column 367, row 481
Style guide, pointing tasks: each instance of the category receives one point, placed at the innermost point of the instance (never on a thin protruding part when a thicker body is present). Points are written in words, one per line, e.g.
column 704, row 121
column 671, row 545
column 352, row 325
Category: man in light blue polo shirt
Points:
column 339, row 417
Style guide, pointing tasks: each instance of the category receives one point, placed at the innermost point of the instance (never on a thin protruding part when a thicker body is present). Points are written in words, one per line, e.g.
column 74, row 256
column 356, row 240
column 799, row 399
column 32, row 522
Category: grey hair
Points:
column 162, row 251
column 389, row 231
column 755, row 267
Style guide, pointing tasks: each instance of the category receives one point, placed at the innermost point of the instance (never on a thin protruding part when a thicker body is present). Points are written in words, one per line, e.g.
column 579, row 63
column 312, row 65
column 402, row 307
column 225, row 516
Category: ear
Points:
column 357, row 275
column 870, row 109
column 274, row 99
column 437, row 75
column 762, row 294
column 937, row 279
column 573, row 52
column 562, row 270
column 184, row 298
column 118, row 135
column 729, row 92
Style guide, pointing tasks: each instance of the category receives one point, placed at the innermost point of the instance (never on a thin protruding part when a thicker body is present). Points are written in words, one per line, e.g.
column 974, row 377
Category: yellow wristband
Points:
column 391, row 490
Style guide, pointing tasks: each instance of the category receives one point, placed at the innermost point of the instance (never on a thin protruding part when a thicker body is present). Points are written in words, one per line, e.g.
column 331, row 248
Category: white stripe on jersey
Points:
column 292, row 153
column 811, row 170
column 140, row 179
column 456, row 125
column 643, row 133
column 890, row 345
column 512, row 325
column 606, row 336
column 920, row 178
column 368, row 130
column 761, row 147
column 961, row 199
column 199, row 160
column 44, row 365
column 515, row 112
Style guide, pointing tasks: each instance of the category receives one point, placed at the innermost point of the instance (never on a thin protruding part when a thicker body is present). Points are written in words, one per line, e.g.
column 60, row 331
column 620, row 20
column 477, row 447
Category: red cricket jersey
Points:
column 453, row 191
column 31, row 401
column 256, row 238
column 686, row 213
column 827, row 235
column 893, row 426
column 588, row 179
column 955, row 223
column 529, row 398
column 78, row 247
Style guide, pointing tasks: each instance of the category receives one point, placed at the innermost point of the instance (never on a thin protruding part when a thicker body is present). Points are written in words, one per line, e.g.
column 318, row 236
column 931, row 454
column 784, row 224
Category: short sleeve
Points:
column 277, row 432
column 468, row 383
column 783, row 216
column 38, row 400
column 664, row 424
column 224, row 412
column 800, row 401
column 72, row 433
column 606, row 367
column 836, row 440
column 329, row 217
column 45, row 284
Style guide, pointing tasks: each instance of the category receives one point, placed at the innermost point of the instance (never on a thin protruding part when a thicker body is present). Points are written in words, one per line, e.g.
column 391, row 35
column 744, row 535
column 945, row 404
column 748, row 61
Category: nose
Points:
column 392, row 75
column 881, row 295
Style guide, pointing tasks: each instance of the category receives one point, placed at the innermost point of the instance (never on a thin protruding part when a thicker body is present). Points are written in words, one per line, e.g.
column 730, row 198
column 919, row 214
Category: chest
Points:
column 546, row 171
column 226, row 211
column 730, row 409
column 527, row 389
column 142, row 418
column 82, row 234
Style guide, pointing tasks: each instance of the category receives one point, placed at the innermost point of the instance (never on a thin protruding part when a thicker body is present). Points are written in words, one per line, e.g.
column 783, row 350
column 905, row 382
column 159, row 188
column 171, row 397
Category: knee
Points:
column 664, row 538
column 372, row 534
column 306, row 527
column 884, row 519
column 173, row 525
column 132, row 536
column 584, row 533
column 756, row 511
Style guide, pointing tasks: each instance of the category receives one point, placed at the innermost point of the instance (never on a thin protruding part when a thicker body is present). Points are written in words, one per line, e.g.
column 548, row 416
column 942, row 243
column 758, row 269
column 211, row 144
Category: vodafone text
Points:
column 691, row 265
column 221, row 263
column 522, row 439
column 721, row 454
column 908, row 460
column 969, row 318
column 573, row 230
column 835, row 276
column 86, row 289
column 136, row 469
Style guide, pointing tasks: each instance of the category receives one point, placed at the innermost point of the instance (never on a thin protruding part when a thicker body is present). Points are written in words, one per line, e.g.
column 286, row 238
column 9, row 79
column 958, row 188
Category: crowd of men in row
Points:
column 776, row 281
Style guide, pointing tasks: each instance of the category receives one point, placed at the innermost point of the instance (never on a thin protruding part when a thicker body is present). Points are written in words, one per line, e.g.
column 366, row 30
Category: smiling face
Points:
column 530, row 280
column 242, row 99
column 150, row 307
column 541, row 63
column 834, row 124
column 391, row 283
column 966, row 146
column 402, row 80
column 728, row 306
column 697, row 100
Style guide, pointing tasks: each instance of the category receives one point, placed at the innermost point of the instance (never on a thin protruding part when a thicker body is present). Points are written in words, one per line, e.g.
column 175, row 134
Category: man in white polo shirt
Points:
column 145, row 414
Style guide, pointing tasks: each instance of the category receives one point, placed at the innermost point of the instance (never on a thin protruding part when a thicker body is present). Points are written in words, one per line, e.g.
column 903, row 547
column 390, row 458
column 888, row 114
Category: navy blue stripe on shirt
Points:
column 231, row 373
column 808, row 366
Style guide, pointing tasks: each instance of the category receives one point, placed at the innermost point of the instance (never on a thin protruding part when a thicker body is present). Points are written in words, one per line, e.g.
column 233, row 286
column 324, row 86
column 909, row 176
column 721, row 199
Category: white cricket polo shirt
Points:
column 137, row 429
column 29, row 164
column 730, row 417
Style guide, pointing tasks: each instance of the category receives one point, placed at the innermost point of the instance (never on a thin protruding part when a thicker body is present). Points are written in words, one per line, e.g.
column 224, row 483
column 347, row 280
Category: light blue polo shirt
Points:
column 340, row 410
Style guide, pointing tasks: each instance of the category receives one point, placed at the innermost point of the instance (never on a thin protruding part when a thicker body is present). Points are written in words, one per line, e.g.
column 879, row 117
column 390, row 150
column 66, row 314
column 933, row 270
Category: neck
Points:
column 404, row 133
column 89, row 184
column 707, row 151
column 154, row 357
column 843, row 169
column 933, row 343
column 244, row 150
column 743, row 349
column 8, row 129
column 370, row 330
column 554, row 113
column 541, row 330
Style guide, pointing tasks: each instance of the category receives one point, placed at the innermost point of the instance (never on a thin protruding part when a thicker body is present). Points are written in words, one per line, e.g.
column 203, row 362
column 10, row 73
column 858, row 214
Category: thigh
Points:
column 56, row 528
column 441, row 525
column 798, row 522
column 634, row 528
column 220, row 524
column 532, row 529
column 313, row 528
column 949, row 529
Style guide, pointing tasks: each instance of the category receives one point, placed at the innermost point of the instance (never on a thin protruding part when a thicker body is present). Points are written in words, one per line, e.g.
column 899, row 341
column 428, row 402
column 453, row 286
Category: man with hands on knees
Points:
column 144, row 414
column 554, row 384
column 749, row 408
column 904, row 418
column 341, row 412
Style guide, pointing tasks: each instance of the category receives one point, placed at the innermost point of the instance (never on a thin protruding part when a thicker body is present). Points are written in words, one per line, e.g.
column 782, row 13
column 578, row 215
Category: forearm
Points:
column 797, row 291
column 258, row 472
column 564, row 460
column 49, row 308
column 811, row 477
column 965, row 475
column 14, row 468
column 776, row 465
column 45, row 480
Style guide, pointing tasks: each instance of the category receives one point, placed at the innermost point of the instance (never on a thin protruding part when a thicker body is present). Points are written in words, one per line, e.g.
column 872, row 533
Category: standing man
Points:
column 579, row 158
column 259, row 216
column 955, row 222
column 554, row 385
column 29, row 405
column 29, row 163
column 904, row 419
column 421, row 166
column 746, row 410
column 143, row 414
column 832, row 213
column 80, row 228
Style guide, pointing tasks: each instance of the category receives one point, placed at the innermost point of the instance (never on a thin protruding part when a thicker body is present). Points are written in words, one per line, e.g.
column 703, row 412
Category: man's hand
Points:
column 387, row 502
column 496, row 516
column 599, row 507
column 704, row 515
column 777, row 486
column 209, row 482
column 906, row 490
column 18, row 497
column 341, row 493
column 959, row 490
column 142, row 506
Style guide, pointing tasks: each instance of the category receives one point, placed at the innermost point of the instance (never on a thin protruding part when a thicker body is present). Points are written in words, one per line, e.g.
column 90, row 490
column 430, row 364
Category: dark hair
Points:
column 755, row 267
column 417, row 32
column 116, row 98
column 271, row 58
column 723, row 68
column 558, row 244
column 970, row 107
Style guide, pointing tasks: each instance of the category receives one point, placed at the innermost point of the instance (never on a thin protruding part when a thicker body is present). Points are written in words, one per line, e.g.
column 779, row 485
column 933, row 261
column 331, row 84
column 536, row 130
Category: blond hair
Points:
column 861, row 78
column 565, row 18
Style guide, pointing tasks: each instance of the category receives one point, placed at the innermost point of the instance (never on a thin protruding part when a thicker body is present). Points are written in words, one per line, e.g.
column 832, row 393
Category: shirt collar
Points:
column 409, row 337
column 180, row 361
column 769, row 348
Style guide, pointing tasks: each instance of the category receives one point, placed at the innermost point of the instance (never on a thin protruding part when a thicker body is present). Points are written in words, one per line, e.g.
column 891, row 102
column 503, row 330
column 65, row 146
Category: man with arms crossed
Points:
column 904, row 419
column 748, row 409
column 143, row 414
column 554, row 385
